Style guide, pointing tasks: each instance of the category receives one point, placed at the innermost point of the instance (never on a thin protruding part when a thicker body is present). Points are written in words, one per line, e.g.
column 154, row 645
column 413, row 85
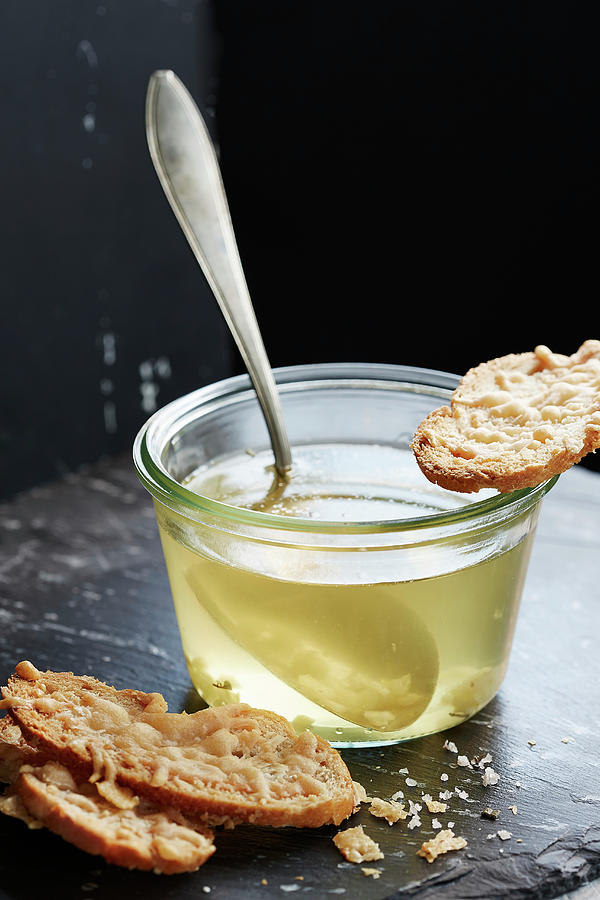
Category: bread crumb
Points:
column 443, row 842
column 567, row 740
column 513, row 810
column 263, row 881
column 445, row 795
column 489, row 813
column 531, row 743
column 356, row 846
column 435, row 823
column 410, row 782
column 371, row 873
column 389, row 810
column 504, row 835
column 451, row 746
column 434, row 806
column 463, row 761
column 415, row 822
column 360, row 795
column 27, row 671
column 443, row 777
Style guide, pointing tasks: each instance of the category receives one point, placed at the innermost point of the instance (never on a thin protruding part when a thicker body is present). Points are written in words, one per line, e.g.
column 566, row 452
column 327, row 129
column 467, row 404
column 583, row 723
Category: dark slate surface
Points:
column 83, row 587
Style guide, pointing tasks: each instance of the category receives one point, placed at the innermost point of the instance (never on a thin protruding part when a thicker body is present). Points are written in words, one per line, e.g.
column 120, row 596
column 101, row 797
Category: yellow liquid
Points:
column 357, row 662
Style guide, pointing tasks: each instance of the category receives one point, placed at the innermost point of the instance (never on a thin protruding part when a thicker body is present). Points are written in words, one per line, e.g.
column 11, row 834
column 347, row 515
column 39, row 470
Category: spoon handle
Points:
column 186, row 164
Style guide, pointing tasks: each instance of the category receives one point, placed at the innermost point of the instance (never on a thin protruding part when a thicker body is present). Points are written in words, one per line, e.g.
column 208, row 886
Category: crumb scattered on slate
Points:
column 434, row 806
column 489, row 813
column 390, row 810
column 443, row 842
column 356, row 846
column 371, row 873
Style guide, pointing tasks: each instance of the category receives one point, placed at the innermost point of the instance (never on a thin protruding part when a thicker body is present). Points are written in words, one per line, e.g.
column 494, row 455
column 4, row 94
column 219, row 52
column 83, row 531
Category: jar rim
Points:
column 238, row 388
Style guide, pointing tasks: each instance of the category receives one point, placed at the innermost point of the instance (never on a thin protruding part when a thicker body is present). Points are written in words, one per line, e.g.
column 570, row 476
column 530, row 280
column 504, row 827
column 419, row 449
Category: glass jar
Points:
column 367, row 630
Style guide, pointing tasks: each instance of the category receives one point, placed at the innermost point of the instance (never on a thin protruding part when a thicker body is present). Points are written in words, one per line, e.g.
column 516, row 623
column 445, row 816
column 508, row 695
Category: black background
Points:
column 409, row 183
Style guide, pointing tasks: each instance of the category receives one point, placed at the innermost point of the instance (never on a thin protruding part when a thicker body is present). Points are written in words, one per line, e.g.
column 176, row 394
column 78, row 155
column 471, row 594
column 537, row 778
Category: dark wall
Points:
column 105, row 314
column 413, row 182
column 409, row 182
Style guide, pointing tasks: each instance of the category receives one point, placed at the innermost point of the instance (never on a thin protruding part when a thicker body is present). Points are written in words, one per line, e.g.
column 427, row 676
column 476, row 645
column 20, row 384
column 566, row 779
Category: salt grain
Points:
column 482, row 763
column 490, row 777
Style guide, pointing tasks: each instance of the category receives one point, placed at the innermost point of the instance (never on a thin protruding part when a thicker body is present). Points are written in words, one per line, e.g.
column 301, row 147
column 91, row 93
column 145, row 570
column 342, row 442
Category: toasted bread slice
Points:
column 227, row 765
column 514, row 422
column 17, row 750
column 142, row 836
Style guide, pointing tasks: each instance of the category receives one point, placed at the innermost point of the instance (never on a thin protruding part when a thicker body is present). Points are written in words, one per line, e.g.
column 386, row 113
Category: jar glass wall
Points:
column 359, row 601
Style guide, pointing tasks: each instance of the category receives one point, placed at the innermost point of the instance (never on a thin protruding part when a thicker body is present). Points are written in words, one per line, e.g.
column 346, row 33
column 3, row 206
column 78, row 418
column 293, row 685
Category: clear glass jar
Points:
column 367, row 632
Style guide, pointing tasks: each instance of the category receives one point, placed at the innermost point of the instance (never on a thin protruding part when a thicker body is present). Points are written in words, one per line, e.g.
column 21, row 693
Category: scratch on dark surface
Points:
column 86, row 51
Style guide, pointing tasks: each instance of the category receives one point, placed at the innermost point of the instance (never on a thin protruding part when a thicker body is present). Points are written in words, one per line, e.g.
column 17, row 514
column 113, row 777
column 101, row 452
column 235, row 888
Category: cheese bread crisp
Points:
column 515, row 421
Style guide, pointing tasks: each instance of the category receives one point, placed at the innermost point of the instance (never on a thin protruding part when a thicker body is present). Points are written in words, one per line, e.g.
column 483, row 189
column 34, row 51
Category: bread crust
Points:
column 145, row 837
column 514, row 422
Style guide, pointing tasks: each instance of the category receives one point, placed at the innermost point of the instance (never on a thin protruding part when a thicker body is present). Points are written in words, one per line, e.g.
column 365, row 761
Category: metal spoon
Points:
column 185, row 160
